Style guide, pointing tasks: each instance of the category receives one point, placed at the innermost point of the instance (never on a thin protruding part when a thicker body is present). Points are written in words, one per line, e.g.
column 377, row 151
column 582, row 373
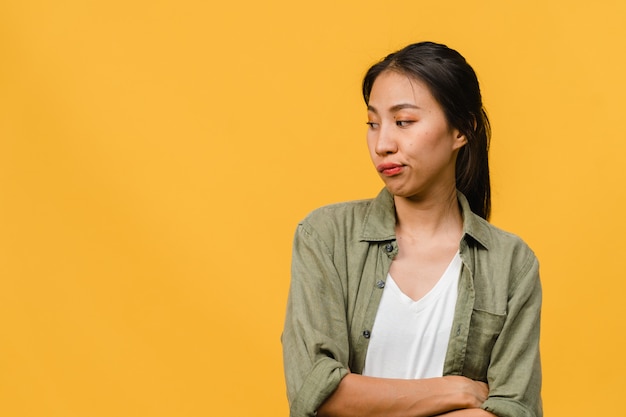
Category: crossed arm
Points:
column 362, row 396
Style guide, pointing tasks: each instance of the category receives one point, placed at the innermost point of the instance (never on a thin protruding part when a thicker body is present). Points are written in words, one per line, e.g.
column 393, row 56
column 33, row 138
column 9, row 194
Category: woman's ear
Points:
column 459, row 141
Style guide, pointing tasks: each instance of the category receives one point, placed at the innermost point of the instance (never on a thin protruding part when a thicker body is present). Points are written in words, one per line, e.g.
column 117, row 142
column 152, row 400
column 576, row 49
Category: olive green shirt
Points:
column 341, row 257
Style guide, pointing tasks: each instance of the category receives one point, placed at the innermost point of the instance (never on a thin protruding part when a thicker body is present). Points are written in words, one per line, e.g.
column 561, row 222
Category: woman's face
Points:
column 410, row 142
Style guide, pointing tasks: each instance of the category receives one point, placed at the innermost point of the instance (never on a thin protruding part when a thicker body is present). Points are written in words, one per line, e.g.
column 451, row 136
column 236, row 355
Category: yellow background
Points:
column 155, row 157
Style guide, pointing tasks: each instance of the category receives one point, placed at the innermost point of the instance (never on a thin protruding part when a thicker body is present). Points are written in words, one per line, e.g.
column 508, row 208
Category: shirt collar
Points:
column 380, row 220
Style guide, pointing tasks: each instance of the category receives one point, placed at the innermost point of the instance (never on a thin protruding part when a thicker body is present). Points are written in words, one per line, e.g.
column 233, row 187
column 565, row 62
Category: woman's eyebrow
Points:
column 401, row 106
column 395, row 108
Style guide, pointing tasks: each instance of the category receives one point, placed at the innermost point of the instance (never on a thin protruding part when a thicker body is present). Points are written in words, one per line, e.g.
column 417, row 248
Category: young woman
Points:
column 412, row 304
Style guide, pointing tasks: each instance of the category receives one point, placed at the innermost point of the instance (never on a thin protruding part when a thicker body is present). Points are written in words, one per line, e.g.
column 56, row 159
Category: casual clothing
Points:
column 341, row 258
column 410, row 338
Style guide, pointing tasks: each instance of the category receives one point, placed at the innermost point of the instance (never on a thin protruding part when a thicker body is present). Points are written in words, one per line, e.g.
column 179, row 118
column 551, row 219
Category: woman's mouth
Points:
column 390, row 169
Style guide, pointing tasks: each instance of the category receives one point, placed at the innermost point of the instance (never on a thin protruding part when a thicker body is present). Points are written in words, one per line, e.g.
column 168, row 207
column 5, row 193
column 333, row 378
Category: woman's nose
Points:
column 386, row 143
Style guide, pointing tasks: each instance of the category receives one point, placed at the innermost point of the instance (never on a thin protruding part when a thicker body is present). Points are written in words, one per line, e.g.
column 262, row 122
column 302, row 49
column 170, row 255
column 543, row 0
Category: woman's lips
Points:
column 390, row 169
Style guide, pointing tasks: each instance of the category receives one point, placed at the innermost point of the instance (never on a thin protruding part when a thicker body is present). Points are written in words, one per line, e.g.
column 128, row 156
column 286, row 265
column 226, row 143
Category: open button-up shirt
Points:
column 341, row 257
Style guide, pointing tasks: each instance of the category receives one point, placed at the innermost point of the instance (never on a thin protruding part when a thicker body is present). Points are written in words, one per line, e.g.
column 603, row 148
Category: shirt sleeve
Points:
column 514, row 374
column 315, row 336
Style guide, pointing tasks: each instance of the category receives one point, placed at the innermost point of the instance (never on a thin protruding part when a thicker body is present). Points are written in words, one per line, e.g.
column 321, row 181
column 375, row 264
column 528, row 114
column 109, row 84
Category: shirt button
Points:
column 389, row 247
column 366, row 334
column 380, row 283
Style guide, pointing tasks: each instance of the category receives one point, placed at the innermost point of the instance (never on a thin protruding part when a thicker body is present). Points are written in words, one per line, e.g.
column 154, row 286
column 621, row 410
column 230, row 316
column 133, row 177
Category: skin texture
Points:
column 414, row 150
column 362, row 396
column 469, row 412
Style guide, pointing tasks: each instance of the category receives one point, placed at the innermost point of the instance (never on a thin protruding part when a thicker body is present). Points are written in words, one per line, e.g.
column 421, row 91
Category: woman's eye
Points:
column 403, row 123
column 372, row 125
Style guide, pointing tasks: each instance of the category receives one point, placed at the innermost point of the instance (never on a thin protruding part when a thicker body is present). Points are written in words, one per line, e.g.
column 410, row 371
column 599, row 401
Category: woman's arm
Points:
column 469, row 412
column 515, row 369
column 316, row 346
column 362, row 396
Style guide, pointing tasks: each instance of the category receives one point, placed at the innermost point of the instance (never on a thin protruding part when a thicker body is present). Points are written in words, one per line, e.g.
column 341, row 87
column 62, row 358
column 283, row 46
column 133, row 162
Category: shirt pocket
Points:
column 485, row 327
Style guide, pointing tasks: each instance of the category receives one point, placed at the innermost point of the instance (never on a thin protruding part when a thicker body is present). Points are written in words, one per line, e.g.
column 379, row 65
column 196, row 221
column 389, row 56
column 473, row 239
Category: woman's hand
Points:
column 474, row 392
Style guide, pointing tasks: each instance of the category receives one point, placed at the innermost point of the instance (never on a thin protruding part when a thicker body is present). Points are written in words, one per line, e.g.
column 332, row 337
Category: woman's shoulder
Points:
column 369, row 219
column 506, row 239
column 504, row 249
column 337, row 215
column 487, row 234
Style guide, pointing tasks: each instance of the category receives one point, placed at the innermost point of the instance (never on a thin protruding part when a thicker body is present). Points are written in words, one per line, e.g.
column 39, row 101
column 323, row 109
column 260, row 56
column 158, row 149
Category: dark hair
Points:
column 453, row 83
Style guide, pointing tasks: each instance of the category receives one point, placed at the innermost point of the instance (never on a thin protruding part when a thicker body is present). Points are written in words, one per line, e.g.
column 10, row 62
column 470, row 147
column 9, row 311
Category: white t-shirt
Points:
column 410, row 338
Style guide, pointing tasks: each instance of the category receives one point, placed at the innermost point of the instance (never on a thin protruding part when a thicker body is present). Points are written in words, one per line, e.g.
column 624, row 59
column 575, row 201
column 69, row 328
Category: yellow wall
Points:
column 155, row 157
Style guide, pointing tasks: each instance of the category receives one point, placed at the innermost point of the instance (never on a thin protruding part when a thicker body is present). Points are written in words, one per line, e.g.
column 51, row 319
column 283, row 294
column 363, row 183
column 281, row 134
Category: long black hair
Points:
column 453, row 83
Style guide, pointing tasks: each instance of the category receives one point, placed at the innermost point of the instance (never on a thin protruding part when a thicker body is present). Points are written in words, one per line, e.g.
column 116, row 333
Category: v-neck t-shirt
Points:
column 410, row 337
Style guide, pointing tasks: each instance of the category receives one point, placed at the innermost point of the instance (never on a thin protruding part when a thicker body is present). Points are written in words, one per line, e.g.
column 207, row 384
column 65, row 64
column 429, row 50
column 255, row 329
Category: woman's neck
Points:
column 437, row 216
